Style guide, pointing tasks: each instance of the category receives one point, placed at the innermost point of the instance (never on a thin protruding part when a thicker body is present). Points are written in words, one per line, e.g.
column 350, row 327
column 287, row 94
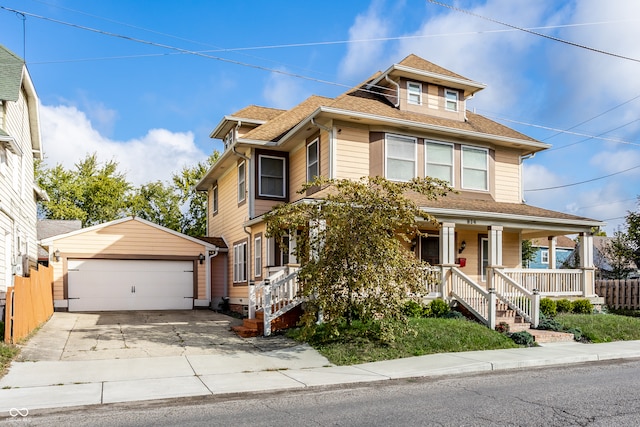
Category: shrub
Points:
column 582, row 306
column 523, row 338
column 439, row 308
column 454, row 315
column 549, row 324
column 548, row 307
column 503, row 327
column 564, row 306
column 413, row 308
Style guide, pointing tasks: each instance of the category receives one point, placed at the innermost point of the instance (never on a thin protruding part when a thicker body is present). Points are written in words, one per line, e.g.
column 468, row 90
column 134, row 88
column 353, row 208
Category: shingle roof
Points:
column 561, row 242
column 256, row 112
column 10, row 74
column 274, row 129
column 418, row 63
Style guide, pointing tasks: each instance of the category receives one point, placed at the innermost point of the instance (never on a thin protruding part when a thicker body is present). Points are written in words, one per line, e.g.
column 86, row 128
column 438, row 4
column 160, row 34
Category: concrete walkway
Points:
column 65, row 383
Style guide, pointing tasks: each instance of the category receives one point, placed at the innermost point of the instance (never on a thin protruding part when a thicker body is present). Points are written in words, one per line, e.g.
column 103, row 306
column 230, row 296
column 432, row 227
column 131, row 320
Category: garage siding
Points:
column 130, row 239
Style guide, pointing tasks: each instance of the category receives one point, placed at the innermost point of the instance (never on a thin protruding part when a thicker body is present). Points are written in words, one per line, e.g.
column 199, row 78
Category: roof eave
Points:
column 219, row 131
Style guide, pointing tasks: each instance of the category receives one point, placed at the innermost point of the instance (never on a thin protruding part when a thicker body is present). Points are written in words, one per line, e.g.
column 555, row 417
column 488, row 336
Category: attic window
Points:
column 228, row 140
column 450, row 100
column 414, row 93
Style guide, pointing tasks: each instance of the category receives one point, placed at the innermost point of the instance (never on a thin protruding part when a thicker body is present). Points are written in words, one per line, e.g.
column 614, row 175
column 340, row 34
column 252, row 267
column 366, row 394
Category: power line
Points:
column 608, row 203
column 583, row 182
column 535, row 33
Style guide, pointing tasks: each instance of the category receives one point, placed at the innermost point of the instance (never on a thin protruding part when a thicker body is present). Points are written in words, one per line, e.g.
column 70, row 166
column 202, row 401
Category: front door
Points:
column 430, row 249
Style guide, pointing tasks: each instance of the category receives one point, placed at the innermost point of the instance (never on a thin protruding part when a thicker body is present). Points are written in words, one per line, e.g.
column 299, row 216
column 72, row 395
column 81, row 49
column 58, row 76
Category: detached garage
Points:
column 129, row 264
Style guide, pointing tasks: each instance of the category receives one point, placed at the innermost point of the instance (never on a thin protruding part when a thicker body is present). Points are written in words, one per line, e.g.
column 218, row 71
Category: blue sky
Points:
column 148, row 86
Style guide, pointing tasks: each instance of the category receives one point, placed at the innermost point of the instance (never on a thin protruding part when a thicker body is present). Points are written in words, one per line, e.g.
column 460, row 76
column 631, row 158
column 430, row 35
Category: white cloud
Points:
column 283, row 91
column 69, row 136
column 364, row 56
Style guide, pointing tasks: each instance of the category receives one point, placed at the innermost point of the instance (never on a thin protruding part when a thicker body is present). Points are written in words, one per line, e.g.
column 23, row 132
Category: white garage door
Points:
column 107, row 285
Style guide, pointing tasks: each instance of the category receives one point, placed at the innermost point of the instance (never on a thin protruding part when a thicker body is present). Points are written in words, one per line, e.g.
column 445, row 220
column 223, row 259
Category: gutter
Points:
column 521, row 162
column 397, row 104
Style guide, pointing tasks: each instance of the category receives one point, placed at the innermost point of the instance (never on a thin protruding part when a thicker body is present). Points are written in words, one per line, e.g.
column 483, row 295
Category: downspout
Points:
column 388, row 80
column 248, row 252
column 332, row 148
column 210, row 255
column 522, row 159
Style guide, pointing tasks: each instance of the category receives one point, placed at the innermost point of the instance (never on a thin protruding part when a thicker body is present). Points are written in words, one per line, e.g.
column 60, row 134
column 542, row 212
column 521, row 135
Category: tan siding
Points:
column 324, row 153
column 352, row 152
column 376, row 154
column 297, row 170
column 511, row 250
column 127, row 239
column 507, row 176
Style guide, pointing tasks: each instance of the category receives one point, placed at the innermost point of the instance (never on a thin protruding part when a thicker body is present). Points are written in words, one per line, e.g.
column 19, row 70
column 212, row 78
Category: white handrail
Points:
column 526, row 303
column 477, row 300
column 551, row 282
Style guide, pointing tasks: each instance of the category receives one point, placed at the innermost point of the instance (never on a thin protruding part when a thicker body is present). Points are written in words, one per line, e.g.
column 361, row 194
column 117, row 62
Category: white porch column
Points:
column 447, row 243
column 552, row 252
column 586, row 264
column 447, row 255
column 495, row 245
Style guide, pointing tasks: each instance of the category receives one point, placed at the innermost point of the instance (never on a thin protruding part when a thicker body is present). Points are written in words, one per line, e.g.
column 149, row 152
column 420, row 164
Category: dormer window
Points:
column 228, row 140
column 450, row 100
column 414, row 93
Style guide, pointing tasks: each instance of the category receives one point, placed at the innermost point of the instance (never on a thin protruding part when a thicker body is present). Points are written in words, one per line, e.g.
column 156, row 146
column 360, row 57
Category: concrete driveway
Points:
column 136, row 334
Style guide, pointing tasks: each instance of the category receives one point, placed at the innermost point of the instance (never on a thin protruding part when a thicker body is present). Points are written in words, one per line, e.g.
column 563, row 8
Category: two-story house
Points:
column 19, row 147
column 408, row 121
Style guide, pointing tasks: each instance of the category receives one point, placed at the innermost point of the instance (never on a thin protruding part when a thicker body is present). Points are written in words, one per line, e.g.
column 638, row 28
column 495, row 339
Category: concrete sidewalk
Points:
column 52, row 384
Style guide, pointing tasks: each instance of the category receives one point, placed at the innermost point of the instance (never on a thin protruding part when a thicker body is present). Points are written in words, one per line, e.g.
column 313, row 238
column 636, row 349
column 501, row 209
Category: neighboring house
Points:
column 604, row 264
column 20, row 145
column 129, row 264
column 408, row 121
column 557, row 248
column 52, row 227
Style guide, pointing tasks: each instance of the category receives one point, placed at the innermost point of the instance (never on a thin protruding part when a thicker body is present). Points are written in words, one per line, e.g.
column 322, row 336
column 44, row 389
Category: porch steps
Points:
column 516, row 324
column 255, row 327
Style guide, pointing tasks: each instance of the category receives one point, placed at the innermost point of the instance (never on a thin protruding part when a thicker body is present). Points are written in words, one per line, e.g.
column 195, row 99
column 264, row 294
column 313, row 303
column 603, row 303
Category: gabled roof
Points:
column 10, row 75
column 49, row 240
column 253, row 114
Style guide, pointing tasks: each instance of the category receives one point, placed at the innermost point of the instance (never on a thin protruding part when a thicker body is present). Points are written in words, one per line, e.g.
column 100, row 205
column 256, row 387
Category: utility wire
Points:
column 583, row 182
column 535, row 33
column 608, row 203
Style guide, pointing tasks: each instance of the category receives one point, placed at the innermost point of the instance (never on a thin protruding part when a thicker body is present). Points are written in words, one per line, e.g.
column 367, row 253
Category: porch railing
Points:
column 551, row 282
column 478, row 301
column 275, row 296
column 432, row 280
column 524, row 302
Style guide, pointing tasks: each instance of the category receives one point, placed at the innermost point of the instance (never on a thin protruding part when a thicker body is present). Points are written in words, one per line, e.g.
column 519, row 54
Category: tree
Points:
column 633, row 235
column 618, row 254
column 158, row 203
column 194, row 218
column 93, row 192
column 352, row 246
column 528, row 253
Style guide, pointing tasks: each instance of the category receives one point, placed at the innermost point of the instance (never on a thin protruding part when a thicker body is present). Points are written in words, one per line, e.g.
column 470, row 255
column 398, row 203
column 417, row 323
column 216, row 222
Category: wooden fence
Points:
column 619, row 294
column 29, row 303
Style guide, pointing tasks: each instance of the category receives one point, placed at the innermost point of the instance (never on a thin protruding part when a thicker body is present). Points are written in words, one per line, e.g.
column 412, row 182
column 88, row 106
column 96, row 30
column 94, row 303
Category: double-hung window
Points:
column 414, row 93
column 401, row 153
column 544, row 256
column 450, row 100
column 242, row 181
column 475, row 168
column 257, row 257
column 312, row 160
column 214, row 199
column 240, row 262
column 272, row 179
column 439, row 161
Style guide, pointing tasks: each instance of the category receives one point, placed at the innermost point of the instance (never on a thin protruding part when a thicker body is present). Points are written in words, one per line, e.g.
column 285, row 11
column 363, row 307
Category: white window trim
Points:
column 214, row 197
column 386, row 154
column 446, row 100
column 240, row 262
column 544, row 256
column 257, row 258
column 411, row 88
column 284, row 176
column 242, row 179
column 317, row 162
column 453, row 159
column 462, row 167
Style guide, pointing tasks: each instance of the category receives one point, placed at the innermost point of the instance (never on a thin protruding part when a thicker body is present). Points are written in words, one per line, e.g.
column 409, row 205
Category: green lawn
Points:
column 602, row 327
column 424, row 336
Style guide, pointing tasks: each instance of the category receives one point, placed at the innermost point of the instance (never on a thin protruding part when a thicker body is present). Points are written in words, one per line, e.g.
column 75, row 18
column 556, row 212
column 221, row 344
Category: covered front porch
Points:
column 478, row 264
